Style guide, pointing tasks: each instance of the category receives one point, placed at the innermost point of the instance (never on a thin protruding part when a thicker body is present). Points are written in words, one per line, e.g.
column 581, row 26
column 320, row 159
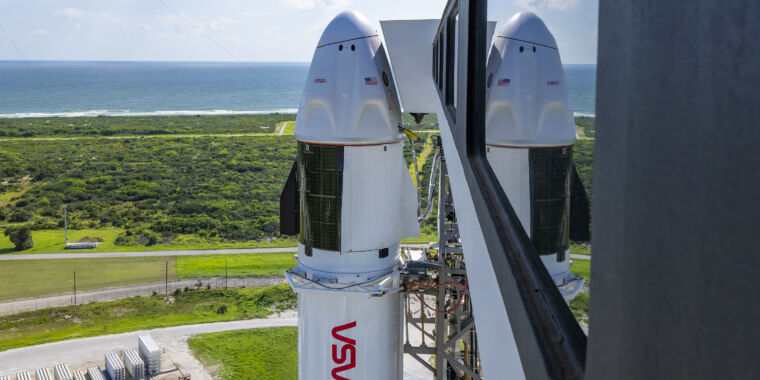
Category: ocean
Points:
column 51, row 88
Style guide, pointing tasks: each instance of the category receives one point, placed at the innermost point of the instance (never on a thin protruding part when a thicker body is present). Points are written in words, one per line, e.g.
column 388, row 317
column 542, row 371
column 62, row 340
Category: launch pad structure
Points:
column 442, row 275
column 507, row 130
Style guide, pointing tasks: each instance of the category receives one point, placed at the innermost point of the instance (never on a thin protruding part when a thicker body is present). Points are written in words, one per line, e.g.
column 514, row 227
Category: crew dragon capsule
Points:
column 352, row 201
column 530, row 135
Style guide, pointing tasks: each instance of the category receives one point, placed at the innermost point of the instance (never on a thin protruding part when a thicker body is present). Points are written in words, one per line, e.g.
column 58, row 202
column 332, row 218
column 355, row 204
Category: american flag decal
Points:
column 503, row 82
column 370, row 81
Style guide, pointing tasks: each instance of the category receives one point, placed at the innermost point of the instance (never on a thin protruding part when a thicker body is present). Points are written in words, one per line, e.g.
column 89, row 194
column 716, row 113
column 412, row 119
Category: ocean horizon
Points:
column 116, row 88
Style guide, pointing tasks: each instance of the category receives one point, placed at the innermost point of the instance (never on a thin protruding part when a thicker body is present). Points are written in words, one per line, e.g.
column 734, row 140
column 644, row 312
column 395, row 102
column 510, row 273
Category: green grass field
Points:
column 137, row 313
column 52, row 241
column 290, row 127
column 48, row 241
column 582, row 268
column 35, row 278
column 242, row 265
column 425, row 237
column 579, row 249
column 579, row 307
column 265, row 354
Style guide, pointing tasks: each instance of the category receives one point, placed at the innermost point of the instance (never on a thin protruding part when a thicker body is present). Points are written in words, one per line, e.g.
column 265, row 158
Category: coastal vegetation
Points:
column 587, row 125
column 266, row 353
column 224, row 189
column 179, row 308
column 108, row 126
column 177, row 192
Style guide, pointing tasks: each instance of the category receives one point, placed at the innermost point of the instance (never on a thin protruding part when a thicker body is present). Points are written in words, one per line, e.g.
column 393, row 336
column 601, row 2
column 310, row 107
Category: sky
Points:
column 238, row 30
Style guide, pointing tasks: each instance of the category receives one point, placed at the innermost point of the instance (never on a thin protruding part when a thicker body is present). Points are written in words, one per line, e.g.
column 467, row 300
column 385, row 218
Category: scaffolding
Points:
column 440, row 275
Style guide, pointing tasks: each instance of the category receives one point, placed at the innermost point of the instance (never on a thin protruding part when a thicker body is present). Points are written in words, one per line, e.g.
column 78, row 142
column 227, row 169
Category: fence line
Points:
column 112, row 294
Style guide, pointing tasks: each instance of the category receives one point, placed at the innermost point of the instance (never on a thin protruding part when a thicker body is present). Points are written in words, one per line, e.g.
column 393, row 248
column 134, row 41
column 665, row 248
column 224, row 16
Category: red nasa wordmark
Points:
column 320, row 80
column 552, row 83
column 347, row 351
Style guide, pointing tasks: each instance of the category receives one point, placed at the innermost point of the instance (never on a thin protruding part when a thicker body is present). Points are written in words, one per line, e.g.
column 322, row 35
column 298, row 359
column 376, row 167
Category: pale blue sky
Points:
column 247, row 30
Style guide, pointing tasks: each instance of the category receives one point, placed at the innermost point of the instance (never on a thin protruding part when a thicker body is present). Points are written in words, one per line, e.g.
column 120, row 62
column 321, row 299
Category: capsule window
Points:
column 490, row 80
column 522, row 48
column 353, row 47
column 340, row 47
column 534, row 49
column 385, row 79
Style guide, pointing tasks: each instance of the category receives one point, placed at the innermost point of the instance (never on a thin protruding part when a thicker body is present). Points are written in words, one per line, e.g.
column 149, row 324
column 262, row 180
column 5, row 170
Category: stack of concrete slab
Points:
column 62, row 372
column 23, row 375
column 150, row 354
column 43, row 374
column 95, row 373
column 114, row 367
column 135, row 365
column 78, row 375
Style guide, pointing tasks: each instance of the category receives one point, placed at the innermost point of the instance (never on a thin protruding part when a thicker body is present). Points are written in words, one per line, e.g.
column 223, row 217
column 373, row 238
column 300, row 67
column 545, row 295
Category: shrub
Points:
column 222, row 309
column 20, row 236
column 20, row 216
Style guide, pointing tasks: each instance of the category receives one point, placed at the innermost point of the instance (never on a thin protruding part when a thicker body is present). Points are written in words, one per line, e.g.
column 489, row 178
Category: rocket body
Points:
column 356, row 203
column 530, row 134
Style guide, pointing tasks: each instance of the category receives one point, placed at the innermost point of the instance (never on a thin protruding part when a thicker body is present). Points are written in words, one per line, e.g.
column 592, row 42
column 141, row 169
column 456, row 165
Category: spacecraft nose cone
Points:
column 526, row 26
column 347, row 25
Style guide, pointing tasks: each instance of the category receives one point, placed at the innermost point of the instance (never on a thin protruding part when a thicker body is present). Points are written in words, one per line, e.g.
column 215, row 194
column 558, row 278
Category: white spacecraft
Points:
column 351, row 200
column 357, row 202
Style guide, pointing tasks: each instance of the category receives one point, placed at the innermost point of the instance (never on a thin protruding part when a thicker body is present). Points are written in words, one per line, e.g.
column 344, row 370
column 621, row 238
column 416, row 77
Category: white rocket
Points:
column 356, row 203
column 530, row 135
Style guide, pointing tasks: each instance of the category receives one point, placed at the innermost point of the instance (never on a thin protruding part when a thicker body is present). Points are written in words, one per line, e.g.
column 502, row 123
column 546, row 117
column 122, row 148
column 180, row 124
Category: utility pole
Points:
column 166, row 278
column 65, row 226
column 75, row 287
column 225, row 273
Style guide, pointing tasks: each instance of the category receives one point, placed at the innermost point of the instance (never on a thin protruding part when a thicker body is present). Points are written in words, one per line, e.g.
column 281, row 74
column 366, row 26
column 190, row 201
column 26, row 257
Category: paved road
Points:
column 122, row 292
column 186, row 252
column 93, row 349
column 173, row 340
